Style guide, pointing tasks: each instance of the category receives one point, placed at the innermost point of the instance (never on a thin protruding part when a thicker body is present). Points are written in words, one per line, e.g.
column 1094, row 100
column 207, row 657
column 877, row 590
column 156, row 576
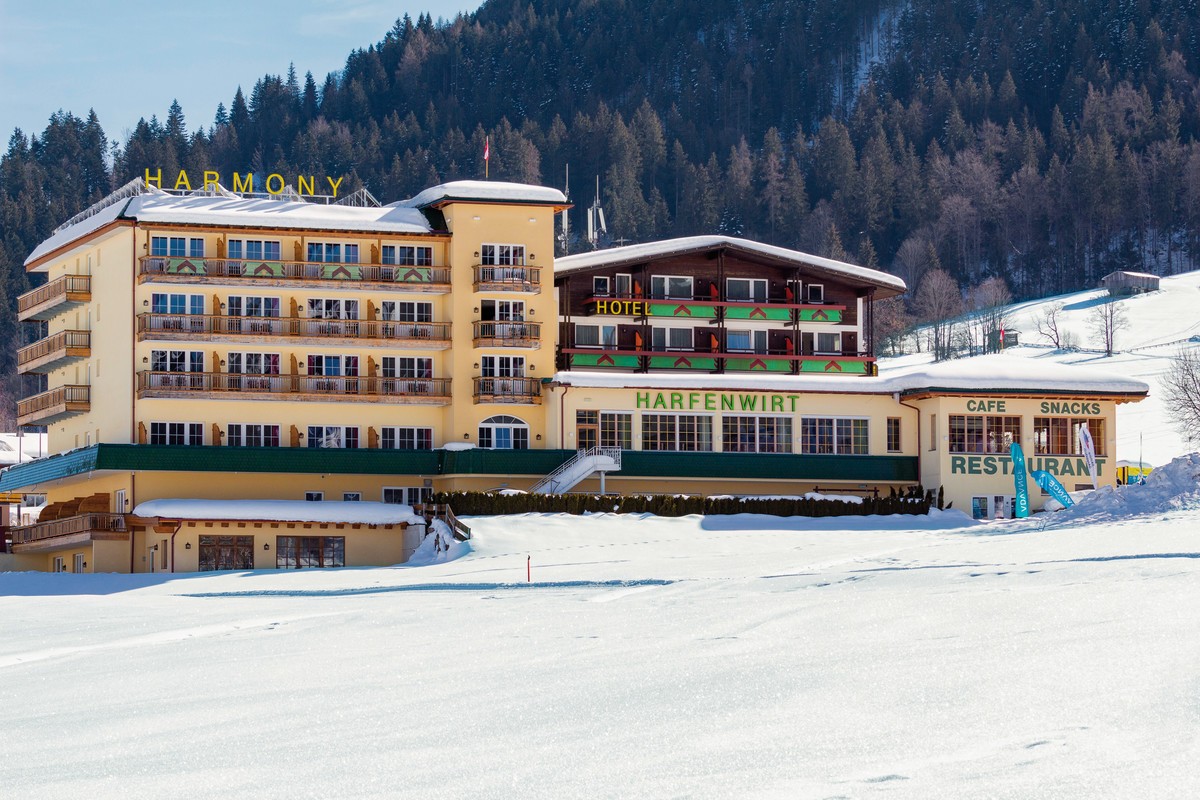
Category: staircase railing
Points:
column 551, row 480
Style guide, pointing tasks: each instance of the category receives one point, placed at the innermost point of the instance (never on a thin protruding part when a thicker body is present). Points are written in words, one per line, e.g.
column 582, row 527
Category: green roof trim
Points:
column 475, row 461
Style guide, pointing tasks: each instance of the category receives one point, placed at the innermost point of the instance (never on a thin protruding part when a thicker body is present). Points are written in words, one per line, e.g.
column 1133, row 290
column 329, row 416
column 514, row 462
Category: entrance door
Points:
column 1000, row 507
column 587, row 429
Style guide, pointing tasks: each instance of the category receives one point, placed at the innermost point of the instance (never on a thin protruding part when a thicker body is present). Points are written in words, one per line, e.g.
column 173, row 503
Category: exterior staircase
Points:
column 575, row 470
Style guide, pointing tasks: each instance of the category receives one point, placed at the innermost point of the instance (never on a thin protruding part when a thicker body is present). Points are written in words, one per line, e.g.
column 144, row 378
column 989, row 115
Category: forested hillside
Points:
column 1042, row 142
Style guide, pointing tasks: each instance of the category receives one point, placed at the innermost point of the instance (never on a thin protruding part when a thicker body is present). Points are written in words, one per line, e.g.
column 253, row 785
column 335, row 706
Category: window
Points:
column 393, row 438
column 333, row 436
column 407, row 495
column 314, row 497
column 244, row 306
column 596, row 336
column 60, row 564
column 163, row 303
column 309, row 552
column 253, row 249
column 79, row 562
column 816, row 293
column 672, row 287
column 195, row 248
column 1060, row 435
column 185, row 433
column 351, row 497
column 239, row 363
column 893, row 434
column 979, row 434
column 689, row 432
column 624, row 285
column 505, row 310
column 746, row 290
column 933, row 435
column 606, row 429
column 746, row 341
column 351, row 254
column 600, row 286
column 829, row 343
column 503, row 366
column 671, row 339
column 158, row 245
column 834, row 436
column 251, row 435
column 177, row 360
column 502, row 255
column 753, row 434
column 319, row 308
column 395, row 311
column 226, row 552
column 332, row 366
column 504, row 433
column 405, row 367
column 328, row 253
column 408, row 256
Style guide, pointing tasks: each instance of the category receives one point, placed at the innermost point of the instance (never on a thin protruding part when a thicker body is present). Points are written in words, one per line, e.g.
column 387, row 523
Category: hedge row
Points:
column 666, row 505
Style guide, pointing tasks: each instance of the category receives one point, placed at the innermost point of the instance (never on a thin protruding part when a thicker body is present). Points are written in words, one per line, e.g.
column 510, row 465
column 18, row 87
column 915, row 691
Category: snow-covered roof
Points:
column 240, row 212
column 1130, row 274
column 484, row 192
column 690, row 244
column 996, row 373
column 362, row 513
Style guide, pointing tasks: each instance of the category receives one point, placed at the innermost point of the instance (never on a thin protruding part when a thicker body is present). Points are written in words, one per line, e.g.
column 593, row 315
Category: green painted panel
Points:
column 780, row 466
column 185, row 266
column 820, row 315
column 501, row 463
column 603, row 360
column 264, row 269
column 341, row 272
column 681, row 310
column 758, row 365
column 835, row 366
column 413, row 275
column 682, row 361
column 758, row 312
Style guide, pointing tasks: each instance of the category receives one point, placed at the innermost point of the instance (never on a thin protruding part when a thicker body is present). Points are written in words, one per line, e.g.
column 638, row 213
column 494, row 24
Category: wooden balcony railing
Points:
column 110, row 526
column 496, row 278
column 335, row 387
column 508, row 390
column 295, row 271
column 490, row 333
column 59, row 402
column 54, row 349
column 173, row 326
column 42, row 302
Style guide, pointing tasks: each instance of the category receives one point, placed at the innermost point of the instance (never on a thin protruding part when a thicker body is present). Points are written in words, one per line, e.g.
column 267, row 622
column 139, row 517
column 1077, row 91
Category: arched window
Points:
column 503, row 432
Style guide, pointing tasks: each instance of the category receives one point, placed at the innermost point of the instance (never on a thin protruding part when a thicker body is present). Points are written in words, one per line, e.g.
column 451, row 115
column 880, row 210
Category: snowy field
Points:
column 739, row 656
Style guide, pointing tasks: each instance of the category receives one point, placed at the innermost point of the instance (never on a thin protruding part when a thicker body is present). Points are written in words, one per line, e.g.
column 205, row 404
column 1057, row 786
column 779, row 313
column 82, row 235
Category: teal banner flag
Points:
column 1051, row 484
column 1020, row 481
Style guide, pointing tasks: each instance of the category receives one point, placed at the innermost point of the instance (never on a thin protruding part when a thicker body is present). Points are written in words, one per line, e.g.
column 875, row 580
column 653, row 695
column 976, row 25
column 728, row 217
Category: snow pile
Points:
column 438, row 547
column 362, row 513
column 1174, row 487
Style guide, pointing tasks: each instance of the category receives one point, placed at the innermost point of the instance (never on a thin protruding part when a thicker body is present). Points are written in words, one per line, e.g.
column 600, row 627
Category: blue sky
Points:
column 130, row 59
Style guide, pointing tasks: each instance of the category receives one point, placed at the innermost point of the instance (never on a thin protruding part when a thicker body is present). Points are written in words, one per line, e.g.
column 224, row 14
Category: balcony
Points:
column 782, row 362
column 54, row 297
column 315, row 388
column 161, row 269
column 775, row 309
column 489, row 333
column 505, row 278
column 53, row 351
column 369, row 333
column 524, row 391
column 69, row 531
column 56, row 404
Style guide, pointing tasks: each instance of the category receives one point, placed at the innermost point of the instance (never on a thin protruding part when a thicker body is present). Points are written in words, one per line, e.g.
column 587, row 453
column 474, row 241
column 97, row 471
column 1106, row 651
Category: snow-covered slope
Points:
column 1160, row 323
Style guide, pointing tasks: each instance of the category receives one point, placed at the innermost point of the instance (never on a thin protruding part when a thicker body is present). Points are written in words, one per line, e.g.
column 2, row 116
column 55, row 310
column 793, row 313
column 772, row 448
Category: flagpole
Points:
column 487, row 152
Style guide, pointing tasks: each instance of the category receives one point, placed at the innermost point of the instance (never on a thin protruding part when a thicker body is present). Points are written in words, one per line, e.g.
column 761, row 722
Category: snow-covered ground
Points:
column 738, row 656
column 1159, row 325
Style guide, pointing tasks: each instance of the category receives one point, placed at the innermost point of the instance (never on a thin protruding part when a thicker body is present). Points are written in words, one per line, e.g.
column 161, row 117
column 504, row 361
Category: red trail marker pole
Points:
column 528, row 569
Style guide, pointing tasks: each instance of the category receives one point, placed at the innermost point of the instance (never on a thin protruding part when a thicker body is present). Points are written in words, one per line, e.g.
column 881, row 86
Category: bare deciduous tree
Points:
column 989, row 303
column 891, row 322
column 1105, row 321
column 1049, row 325
column 939, row 301
column 1182, row 390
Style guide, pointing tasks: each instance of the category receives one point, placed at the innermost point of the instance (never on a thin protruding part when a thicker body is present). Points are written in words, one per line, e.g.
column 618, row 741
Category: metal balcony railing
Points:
column 508, row 278
column 294, row 270
column 169, row 326
column 508, row 390
column 334, row 386
column 491, row 333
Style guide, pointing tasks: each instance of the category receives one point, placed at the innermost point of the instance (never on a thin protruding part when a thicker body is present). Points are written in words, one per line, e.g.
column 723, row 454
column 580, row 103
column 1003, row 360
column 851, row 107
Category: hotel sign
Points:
column 275, row 184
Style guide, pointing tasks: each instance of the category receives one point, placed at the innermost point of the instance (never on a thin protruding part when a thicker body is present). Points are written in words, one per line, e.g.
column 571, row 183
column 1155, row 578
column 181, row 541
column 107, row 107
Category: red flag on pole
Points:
column 487, row 154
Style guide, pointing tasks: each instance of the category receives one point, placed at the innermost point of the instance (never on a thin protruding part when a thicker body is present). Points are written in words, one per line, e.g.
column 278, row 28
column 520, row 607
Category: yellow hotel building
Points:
column 210, row 354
